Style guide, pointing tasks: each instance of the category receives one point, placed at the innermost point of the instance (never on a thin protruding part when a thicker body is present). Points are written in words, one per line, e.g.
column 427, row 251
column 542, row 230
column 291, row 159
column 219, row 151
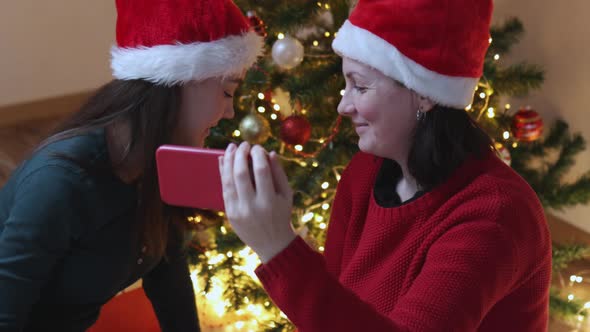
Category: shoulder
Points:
column 499, row 196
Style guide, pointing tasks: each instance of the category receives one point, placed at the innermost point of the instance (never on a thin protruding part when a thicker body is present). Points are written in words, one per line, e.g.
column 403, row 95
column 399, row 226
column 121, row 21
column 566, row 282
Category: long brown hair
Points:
column 150, row 112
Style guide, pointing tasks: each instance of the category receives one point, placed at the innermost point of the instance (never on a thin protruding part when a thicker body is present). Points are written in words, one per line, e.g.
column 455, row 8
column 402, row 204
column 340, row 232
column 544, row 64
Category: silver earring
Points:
column 419, row 114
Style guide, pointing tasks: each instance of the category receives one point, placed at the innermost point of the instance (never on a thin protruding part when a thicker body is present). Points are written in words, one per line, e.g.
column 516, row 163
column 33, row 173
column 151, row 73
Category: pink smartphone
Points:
column 189, row 177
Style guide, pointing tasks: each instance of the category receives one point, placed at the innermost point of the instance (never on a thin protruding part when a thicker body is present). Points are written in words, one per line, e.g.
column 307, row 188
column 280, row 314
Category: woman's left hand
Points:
column 258, row 208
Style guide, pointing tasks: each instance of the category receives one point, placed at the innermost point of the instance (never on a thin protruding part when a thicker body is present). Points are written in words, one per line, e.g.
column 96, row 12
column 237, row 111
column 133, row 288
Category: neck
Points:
column 407, row 187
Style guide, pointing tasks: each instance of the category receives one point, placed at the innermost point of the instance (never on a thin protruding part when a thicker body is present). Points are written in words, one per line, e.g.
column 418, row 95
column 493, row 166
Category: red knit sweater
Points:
column 474, row 254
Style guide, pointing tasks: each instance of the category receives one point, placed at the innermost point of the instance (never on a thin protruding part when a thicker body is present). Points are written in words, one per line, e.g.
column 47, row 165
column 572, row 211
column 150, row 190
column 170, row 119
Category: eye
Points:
column 360, row 89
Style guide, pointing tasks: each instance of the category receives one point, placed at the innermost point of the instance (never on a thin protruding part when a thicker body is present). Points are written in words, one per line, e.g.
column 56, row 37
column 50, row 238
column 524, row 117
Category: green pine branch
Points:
column 516, row 80
column 564, row 254
column 547, row 181
column 564, row 309
column 505, row 36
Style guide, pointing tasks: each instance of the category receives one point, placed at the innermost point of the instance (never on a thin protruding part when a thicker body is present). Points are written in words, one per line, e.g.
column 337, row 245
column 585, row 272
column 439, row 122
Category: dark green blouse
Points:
column 68, row 245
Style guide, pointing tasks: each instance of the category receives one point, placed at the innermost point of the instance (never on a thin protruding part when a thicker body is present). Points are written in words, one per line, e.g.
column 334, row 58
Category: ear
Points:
column 425, row 104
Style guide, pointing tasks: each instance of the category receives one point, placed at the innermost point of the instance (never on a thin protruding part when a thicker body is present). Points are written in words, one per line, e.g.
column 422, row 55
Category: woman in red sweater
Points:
column 430, row 231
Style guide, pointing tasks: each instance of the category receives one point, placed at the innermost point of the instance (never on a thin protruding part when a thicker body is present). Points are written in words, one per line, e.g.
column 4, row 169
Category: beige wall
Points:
column 58, row 47
column 52, row 48
column 558, row 38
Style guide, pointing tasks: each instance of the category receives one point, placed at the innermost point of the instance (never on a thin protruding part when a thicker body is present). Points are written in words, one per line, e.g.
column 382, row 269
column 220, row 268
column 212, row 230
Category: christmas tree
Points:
column 288, row 104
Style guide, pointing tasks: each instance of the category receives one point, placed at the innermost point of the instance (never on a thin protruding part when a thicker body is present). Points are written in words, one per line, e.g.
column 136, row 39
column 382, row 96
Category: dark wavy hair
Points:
column 443, row 139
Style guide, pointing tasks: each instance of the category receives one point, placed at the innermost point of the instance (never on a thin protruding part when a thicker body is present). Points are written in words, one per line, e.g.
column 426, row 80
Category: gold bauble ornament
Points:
column 255, row 129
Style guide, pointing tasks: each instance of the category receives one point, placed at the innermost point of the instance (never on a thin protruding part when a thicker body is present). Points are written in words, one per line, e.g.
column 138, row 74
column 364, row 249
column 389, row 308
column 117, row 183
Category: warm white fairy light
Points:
column 497, row 57
column 325, row 206
column 570, row 297
column 223, row 230
column 506, row 135
column 281, row 35
column 482, row 95
column 261, row 109
column 515, row 145
column 236, row 133
column 319, row 218
column 573, row 278
column 273, row 116
column 316, row 43
column 507, row 106
column 579, row 279
column 327, row 6
column 325, row 185
column 319, row 4
column 323, row 226
column 315, row 164
column 468, row 108
column 490, row 40
column 276, row 107
column 261, row 96
column 307, row 217
column 321, row 249
column 327, row 34
column 342, row 92
column 298, row 147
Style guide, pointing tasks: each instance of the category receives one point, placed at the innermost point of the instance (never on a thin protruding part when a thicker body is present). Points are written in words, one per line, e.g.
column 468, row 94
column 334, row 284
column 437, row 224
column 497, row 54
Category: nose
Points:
column 229, row 112
column 345, row 107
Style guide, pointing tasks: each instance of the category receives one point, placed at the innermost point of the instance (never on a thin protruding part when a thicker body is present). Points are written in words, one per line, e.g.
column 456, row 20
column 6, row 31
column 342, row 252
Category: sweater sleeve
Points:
column 170, row 290
column 465, row 273
column 34, row 237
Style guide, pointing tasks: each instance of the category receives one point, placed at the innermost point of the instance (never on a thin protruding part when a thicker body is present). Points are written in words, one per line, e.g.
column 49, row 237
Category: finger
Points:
column 262, row 172
column 279, row 177
column 241, row 171
column 227, row 181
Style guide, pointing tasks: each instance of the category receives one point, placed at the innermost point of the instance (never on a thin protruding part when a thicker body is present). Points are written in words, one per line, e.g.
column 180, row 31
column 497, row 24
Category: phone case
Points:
column 189, row 177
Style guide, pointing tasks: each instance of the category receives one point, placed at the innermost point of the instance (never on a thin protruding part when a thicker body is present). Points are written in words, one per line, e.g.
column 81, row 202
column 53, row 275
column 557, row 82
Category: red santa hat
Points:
column 172, row 42
column 433, row 47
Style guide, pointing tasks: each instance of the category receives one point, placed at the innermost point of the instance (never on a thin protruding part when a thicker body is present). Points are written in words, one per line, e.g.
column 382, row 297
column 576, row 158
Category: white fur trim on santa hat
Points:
column 181, row 63
column 364, row 46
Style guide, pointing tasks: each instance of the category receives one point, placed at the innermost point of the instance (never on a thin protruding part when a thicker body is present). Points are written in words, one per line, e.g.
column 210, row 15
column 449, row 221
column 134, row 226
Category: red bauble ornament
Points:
column 527, row 125
column 257, row 24
column 295, row 130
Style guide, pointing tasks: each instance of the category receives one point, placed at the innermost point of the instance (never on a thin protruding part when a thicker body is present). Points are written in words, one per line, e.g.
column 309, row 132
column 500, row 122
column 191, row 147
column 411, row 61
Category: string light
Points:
column 319, row 218
column 319, row 4
column 490, row 40
column 281, row 35
column 261, row 109
column 491, row 113
column 307, row 217
column 277, row 107
column 325, row 206
column 325, row 185
column 261, row 96
column 482, row 95
column 327, row 34
column 507, row 106
column 515, row 145
column 298, row 147
column 323, row 226
column 506, row 135
column 342, row 92
column 570, row 297
column 327, row 6
column 316, row 43
column 468, row 108
column 273, row 116
column 497, row 57
column 236, row 133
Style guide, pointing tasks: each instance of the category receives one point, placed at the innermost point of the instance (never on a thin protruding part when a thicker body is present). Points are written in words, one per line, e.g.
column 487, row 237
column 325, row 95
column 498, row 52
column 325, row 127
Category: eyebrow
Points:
column 352, row 74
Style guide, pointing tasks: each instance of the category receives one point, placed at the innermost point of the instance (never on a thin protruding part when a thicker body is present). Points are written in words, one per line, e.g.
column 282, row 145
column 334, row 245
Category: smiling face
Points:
column 203, row 104
column 382, row 111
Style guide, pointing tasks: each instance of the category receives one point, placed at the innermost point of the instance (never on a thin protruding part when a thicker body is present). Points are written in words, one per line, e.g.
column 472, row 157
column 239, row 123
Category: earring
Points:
column 419, row 114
